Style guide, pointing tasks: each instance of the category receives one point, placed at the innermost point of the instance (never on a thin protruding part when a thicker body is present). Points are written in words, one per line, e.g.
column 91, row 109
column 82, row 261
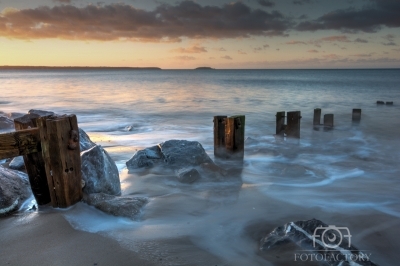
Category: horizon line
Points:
column 21, row 67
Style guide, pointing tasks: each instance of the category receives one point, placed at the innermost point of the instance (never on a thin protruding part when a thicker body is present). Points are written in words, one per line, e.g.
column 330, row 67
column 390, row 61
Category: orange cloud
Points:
column 190, row 50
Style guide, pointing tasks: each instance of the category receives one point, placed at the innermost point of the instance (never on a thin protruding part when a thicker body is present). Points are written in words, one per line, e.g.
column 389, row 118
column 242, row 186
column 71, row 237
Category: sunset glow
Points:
column 188, row 34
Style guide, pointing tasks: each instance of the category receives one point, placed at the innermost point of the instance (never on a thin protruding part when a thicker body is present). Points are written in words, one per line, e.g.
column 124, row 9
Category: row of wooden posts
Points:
column 229, row 131
column 50, row 147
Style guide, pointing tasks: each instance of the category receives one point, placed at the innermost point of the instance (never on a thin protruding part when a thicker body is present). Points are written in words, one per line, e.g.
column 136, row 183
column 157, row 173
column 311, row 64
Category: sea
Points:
column 347, row 176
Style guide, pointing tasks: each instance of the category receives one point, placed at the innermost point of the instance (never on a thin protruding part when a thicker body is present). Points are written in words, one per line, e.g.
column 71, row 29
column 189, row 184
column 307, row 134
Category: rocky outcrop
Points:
column 119, row 206
column 99, row 172
column 14, row 190
column 187, row 158
column 332, row 244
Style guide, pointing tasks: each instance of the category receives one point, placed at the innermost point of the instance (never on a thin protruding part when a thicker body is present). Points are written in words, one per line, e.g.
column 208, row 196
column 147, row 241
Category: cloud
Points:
column 331, row 56
column 295, row 42
column 185, row 58
column 389, row 37
column 166, row 23
column 62, row 1
column 370, row 18
column 190, row 50
column 390, row 44
column 241, row 52
column 363, row 55
column 302, row 2
column 221, row 49
column 313, row 51
column 261, row 48
column 266, row 3
column 227, row 57
column 360, row 40
column 340, row 38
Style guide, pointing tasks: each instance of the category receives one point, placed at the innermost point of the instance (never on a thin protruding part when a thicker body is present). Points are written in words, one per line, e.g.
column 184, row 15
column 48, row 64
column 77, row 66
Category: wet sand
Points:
column 50, row 240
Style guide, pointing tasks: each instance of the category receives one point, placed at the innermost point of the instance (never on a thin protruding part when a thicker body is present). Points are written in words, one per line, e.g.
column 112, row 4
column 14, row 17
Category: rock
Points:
column 179, row 154
column 41, row 112
column 17, row 163
column 99, row 172
column 14, row 190
column 6, row 123
column 119, row 206
column 188, row 175
column 380, row 102
column 389, row 103
column 84, row 141
column 333, row 243
column 145, row 158
column 174, row 154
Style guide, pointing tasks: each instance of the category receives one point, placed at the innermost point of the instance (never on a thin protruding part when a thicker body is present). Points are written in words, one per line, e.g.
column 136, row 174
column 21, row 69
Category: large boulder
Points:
column 313, row 235
column 6, row 123
column 99, row 172
column 119, row 206
column 187, row 159
column 14, row 190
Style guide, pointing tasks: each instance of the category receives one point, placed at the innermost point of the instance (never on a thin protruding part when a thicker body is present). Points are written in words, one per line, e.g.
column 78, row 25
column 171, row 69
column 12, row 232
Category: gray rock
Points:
column 119, row 206
column 14, row 190
column 6, row 123
column 188, row 175
column 84, row 141
column 99, row 172
column 182, row 153
column 145, row 158
column 41, row 112
column 174, row 154
column 17, row 163
column 329, row 241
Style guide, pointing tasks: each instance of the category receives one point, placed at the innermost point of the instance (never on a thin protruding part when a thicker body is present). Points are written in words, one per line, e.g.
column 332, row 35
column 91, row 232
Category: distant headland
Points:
column 75, row 68
column 204, row 68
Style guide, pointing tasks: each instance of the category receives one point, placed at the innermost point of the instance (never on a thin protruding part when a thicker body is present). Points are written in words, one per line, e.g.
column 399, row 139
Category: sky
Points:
column 255, row 34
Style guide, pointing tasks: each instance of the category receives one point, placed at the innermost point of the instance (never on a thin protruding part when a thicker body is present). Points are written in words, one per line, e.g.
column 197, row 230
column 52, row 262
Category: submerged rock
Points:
column 330, row 242
column 14, row 190
column 145, row 158
column 119, row 206
column 99, row 172
column 17, row 163
column 188, row 175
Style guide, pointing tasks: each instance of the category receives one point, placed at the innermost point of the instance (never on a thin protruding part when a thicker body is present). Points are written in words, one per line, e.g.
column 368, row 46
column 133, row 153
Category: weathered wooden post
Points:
column 234, row 136
column 328, row 120
column 219, row 136
column 59, row 138
column 280, row 123
column 356, row 116
column 293, row 124
column 34, row 163
column 317, row 117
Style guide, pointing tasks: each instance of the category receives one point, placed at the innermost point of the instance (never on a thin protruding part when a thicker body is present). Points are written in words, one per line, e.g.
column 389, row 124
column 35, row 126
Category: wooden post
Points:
column 59, row 138
column 317, row 116
column 356, row 115
column 280, row 123
column 328, row 120
column 219, row 136
column 293, row 124
column 34, row 163
column 234, row 136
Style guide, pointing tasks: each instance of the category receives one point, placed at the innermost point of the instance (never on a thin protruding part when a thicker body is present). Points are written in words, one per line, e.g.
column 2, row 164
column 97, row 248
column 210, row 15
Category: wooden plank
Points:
column 219, row 136
column 18, row 143
column 280, row 123
column 61, row 153
column 34, row 163
column 293, row 124
column 234, row 136
column 317, row 116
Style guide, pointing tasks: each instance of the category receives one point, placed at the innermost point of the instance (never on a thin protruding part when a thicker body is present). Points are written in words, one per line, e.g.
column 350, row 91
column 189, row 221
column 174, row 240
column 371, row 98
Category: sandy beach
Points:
column 50, row 240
